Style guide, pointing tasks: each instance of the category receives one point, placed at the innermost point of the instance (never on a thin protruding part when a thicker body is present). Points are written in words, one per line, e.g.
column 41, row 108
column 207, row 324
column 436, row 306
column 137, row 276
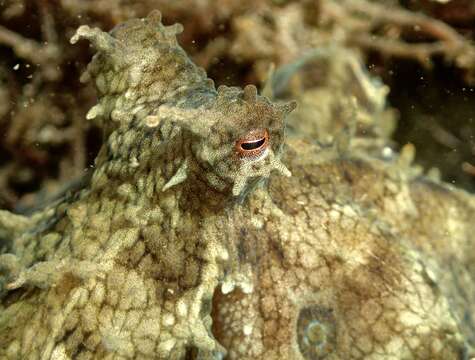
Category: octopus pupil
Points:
column 253, row 145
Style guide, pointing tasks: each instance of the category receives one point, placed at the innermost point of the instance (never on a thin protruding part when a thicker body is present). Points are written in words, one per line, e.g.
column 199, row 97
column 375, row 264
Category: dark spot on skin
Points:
column 279, row 251
column 81, row 349
column 206, row 306
column 66, row 284
column 12, row 296
column 191, row 353
column 316, row 332
column 246, row 247
column 347, row 176
column 243, row 247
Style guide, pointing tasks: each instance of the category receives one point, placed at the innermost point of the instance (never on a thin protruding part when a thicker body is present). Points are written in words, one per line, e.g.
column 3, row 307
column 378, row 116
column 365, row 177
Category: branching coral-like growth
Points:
column 446, row 41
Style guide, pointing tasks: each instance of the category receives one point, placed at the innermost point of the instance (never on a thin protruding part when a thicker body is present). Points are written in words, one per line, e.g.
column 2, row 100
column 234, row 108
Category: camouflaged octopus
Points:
column 192, row 240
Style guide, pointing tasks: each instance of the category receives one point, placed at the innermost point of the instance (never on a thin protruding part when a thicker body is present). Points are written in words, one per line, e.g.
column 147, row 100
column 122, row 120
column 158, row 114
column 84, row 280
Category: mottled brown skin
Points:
column 180, row 247
column 439, row 222
column 325, row 253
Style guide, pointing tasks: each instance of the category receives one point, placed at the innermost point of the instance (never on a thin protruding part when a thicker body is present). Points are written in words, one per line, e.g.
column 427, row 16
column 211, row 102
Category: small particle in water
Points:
column 16, row 67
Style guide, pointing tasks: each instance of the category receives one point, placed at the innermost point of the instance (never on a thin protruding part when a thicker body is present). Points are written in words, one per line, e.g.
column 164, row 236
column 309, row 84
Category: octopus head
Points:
column 237, row 136
column 244, row 140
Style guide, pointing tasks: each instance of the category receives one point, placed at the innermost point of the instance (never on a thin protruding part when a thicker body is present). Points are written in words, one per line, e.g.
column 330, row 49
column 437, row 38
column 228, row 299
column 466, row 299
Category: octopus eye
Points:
column 253, row 144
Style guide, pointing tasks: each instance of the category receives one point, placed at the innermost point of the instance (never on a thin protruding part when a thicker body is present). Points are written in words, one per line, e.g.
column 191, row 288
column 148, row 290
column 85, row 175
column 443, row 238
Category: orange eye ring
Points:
column 253, row 145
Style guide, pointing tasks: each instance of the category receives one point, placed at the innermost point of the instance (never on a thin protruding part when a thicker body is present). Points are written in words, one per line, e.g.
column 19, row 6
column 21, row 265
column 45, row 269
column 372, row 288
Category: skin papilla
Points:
column 205, row 233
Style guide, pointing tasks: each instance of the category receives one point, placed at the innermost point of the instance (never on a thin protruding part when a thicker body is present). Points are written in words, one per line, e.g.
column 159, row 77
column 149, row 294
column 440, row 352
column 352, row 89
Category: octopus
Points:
column 206, row 230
